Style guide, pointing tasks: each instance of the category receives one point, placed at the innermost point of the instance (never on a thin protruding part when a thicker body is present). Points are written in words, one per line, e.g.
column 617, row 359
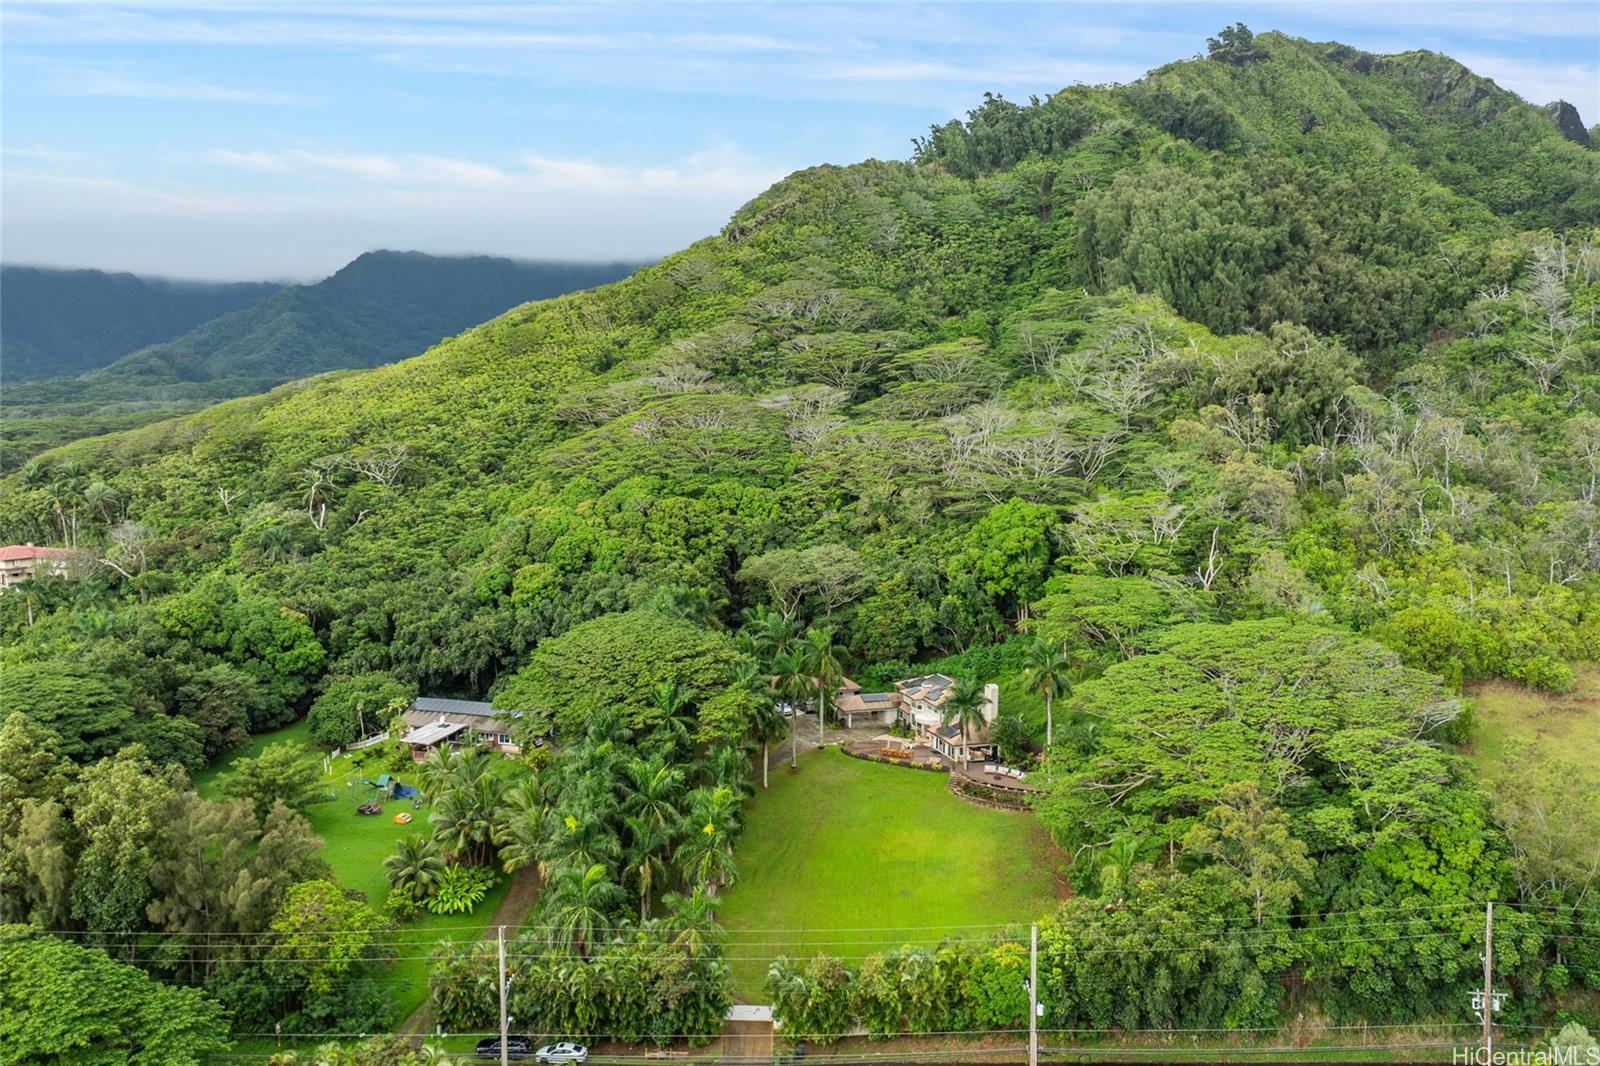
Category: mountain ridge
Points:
column 381, row 306
column 55, row 321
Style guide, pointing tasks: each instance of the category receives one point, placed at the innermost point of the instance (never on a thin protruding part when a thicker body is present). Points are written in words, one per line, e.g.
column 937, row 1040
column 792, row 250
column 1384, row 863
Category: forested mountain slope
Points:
column 1267, row 386
column 379, row 307
column 888, row 349
column 59, row 323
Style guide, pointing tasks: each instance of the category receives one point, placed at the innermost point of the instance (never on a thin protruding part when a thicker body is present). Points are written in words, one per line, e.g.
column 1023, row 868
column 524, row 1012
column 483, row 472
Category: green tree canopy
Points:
column 65, row 1003
column 615, row 662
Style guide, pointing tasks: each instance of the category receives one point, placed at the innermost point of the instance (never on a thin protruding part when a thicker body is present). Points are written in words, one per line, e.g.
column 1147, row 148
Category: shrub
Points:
column 461, row 889
column 401, row 906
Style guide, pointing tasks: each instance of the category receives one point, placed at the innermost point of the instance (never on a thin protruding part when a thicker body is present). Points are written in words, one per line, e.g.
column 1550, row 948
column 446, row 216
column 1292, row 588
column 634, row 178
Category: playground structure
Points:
column 373, row 793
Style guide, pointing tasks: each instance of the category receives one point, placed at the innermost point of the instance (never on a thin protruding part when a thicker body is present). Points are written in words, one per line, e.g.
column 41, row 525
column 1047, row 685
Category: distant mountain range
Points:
column 59, row 323
column 85, row 352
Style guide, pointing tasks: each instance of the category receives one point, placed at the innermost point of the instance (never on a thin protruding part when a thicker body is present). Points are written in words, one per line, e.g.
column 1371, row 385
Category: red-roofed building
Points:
column 19, row 562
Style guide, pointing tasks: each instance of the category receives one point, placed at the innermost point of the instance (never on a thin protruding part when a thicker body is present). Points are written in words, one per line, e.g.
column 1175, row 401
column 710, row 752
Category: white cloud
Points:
column 322, row 208
column 995, row 74
column 115, row 85
column 44, row 153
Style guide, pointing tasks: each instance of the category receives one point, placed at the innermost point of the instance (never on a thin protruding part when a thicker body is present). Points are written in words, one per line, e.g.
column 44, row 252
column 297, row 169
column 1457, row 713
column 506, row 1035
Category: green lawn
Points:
column 355, row 846
column 1563, row 725
column 842, row 846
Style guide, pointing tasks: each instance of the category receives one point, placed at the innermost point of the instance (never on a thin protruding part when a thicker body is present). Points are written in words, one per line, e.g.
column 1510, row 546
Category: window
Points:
column 504, row 738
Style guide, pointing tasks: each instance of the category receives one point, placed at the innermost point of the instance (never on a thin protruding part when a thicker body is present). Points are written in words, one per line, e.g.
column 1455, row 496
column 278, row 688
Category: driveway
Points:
column 805, row 727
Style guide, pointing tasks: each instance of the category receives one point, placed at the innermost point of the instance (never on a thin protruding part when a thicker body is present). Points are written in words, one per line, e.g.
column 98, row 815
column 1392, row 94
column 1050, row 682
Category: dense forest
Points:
column 1264, row 392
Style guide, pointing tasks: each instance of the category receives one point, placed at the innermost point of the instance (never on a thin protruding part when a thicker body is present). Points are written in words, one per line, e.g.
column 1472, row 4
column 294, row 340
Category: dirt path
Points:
column 513, row 908
column 515, row 904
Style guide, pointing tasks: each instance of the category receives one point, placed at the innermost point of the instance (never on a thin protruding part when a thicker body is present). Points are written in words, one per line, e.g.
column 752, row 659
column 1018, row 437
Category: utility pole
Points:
column 1488, row 981
column 1033, row 995
column 505, row 1028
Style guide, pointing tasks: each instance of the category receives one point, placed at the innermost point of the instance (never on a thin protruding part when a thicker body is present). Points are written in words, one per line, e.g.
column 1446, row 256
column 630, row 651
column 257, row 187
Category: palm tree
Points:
column 466, row 816
column 580, row 904
column 792, row 683
column 728, row 766
column 766, row 724
column 964, row 709
column 99, row 496
column 1117, row 870
column 821, row 658
column 706, row 855
column 648, row 844
column 433, row 773
column 579, row 839
column 671, row 699
column 518, row 827
column 654, row 790
column 415, row 866
column 767, row 634
column 691, row 921
column 275, row 544
column 1044, row 670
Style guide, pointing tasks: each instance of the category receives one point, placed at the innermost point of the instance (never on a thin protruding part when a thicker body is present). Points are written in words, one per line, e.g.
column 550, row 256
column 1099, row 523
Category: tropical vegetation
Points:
column 1235, row 422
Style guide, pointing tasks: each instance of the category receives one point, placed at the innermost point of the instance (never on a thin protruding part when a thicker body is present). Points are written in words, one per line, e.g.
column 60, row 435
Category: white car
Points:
column 566, row 1051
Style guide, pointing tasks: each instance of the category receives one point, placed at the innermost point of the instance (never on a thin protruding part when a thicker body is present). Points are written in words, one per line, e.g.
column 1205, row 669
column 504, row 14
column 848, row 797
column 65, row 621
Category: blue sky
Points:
column 251, row 140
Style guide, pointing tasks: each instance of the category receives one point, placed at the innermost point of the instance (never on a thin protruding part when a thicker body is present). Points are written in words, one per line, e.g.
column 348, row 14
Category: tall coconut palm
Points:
column 821, row 656
column 766, row 724
column 580, row 904
column 415, row 867
column 792, row 683
column 1044, row 670
column 706, row 855
column 766, row 634
column 963, row 709
column 648, row 845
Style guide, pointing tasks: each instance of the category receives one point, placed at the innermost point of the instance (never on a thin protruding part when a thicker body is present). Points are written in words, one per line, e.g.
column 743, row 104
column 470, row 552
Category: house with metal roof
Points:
column 435, row 722
column 918, row 704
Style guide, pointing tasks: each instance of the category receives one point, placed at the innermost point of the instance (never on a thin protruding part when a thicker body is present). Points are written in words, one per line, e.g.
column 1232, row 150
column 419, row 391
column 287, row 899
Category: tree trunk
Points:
column 1049, row 724
column 764, row 761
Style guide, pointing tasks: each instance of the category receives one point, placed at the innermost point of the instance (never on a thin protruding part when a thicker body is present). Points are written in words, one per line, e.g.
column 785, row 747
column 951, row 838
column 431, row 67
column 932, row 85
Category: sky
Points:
column 247, row 140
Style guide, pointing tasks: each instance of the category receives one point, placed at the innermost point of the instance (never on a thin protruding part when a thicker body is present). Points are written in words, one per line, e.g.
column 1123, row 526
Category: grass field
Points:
column 842, row 846
column 355, row 846
column 1564, row 725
